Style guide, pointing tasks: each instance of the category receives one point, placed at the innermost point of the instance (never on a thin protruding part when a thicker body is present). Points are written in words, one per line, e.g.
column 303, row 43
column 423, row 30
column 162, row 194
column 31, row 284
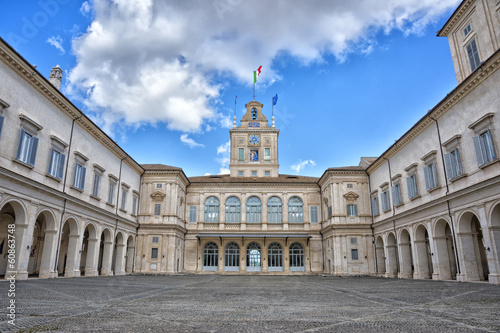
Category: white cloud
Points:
column 154, row 61
column 302, row 164
column 85, row 8
column 224, row 151
column 56, row 41
column 190, row 142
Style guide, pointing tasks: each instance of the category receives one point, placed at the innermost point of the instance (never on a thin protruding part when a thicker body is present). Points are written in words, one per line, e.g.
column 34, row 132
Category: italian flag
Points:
column 256, row 74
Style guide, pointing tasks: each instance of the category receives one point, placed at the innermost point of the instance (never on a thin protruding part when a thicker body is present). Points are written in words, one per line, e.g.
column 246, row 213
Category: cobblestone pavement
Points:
column 213, row 303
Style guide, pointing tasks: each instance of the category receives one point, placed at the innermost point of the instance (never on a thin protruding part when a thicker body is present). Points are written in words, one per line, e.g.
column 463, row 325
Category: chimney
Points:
column 56, row 75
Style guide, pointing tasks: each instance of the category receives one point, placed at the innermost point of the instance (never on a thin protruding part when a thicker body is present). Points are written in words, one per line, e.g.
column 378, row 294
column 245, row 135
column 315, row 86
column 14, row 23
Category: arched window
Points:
column 210, row 257
column 254, row 114
column 296, row 254
column 275, row 258
column 212, row 209
column 232, row 257
column 254, row 255
column 274, row 210
column 254, row 209
column 295, row 210
column 233, row 210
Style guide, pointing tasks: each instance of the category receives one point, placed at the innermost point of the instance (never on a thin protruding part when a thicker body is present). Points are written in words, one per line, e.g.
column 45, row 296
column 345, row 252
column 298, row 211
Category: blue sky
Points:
column 160, row 77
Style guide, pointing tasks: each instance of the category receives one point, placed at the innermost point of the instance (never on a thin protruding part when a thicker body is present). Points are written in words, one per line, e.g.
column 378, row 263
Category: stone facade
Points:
column 428, row 207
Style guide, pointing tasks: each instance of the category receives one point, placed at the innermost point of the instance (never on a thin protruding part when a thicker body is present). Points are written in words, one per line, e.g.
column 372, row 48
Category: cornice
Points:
column 489, row 67
column 195, row 185
column 454, row 18
column 175, row 173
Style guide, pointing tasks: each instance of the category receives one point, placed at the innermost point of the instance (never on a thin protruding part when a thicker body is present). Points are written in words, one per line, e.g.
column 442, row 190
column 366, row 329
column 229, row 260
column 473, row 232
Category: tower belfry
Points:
column 254, row 145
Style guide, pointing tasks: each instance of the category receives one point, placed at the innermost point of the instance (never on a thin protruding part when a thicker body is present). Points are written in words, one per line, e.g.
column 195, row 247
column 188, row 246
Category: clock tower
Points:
column 254, row 145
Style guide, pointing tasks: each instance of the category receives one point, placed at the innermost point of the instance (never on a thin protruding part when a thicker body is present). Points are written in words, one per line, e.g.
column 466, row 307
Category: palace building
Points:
column 427, row 208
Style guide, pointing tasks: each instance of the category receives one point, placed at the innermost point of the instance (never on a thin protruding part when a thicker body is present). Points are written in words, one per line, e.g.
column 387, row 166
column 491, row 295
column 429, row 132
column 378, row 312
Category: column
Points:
column 73, row 255
column 493, row 264
column 92, row 257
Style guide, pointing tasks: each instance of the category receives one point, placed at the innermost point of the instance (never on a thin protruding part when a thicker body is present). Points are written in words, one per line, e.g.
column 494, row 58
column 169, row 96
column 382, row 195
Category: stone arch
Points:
column 473, row 252
column 105, row 252
column 391, row 260
column 42, row 250
column 130, row 254
column 254, row 257
column 88, row 250
column 68, row 248
column 494, row 222
column 423, row 254
column 119, row 253
column 12, row 212
column 405, row 254
column 444, row 250
column 379, row 252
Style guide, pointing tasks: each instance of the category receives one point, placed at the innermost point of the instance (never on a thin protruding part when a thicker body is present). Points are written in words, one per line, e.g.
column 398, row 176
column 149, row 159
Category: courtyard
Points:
column 215, row 303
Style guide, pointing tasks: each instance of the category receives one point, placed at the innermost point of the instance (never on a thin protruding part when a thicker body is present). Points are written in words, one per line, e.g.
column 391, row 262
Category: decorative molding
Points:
column 29, row 123
column 429, row 155
column 482, row 122
column 455, row 17
column 411, row 167
column 58, row 141
column 158, row 196
column 98, row 167
column 351, row 196
column 81, row 156
column 453, row 141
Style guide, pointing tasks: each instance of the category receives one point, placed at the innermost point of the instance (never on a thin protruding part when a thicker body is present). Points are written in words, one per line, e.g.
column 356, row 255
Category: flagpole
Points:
column 254, row 91
column 234, row 119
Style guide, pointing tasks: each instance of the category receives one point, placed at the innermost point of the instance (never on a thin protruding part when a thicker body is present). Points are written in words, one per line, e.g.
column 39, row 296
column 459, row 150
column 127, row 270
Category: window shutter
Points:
column 477, row 148
column 34, row 147
column 75, row 179
column 459, row 163
column 427, row 174
column 19, row 145
column 82, row 180
column 449, row 169
column 355, row 210
column 60, row 168
column 408, row 184
column 490, row 145
column 1, row 124
column 51, row 161
column 433, row 174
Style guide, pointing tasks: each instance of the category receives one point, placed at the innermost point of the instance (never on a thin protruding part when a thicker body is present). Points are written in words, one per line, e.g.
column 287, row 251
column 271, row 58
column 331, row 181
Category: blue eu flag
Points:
column 275, row 99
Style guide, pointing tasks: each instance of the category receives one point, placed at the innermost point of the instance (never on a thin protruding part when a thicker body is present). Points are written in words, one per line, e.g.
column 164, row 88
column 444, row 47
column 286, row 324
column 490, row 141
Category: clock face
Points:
column 254, row 139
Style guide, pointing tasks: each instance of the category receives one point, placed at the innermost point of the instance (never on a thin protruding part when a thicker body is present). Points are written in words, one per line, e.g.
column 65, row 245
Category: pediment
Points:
column 351, row 196
column 158, row 196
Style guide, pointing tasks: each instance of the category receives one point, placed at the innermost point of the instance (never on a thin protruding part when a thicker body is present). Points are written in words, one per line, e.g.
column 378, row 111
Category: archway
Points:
column 392, row 261
column 473, row 251
column 211, row 257
column 40, row 259
column 105, row 246
column 119, row 252
column 495, row 235
column 379, row 250
column 130, row 255
column 68, row 249
column 406, row 258
column 423, row 253
column 12, row 213
column 444, row 250
column 89, row 247
column 254, row 257
column 232, row 257
column 275, row 257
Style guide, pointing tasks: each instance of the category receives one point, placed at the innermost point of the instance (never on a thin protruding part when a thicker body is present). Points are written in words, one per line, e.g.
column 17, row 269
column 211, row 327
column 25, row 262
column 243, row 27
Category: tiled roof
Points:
column 159, row 167
column 228, row 179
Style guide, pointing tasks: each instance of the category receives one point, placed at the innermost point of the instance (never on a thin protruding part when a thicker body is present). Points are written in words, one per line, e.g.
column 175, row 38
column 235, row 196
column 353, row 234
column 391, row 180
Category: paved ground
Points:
column 211, row 303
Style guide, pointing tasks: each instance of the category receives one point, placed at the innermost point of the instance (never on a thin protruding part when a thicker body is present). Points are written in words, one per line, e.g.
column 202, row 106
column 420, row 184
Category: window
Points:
column 241, row 154
column 430, row 176
column 385, row 201
column 157, row 209
column 411, row 183
column 79, row 176
column 396, row 195
column 314, row 214
column 296, row 254
column 135, row 199
column 467, row 29
column 233, row 210
column 95, row 188
column 354, row 254
column 111, row 192
column 210, row 257
column 254, row 257
column 275, row 257
column 154, row 253
column 349, row 185
column 267, row 154
column 192, row 214
column 155, row 239
column 124, row 198
column 330, row 211
column 159, row 185
column 473, row 55
column 453, row 164
column 254, row 173
column 254, row 209
column 485, row 151
column 211, row 210
column 295, row 210
column 56, row 163
column 375, row 206
column 267, row 173
column 26, row 149
column 274, row 210
column 354, row 240
column 232, row 257
column 240, row 173
column 254, row 114
column 352, row 210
